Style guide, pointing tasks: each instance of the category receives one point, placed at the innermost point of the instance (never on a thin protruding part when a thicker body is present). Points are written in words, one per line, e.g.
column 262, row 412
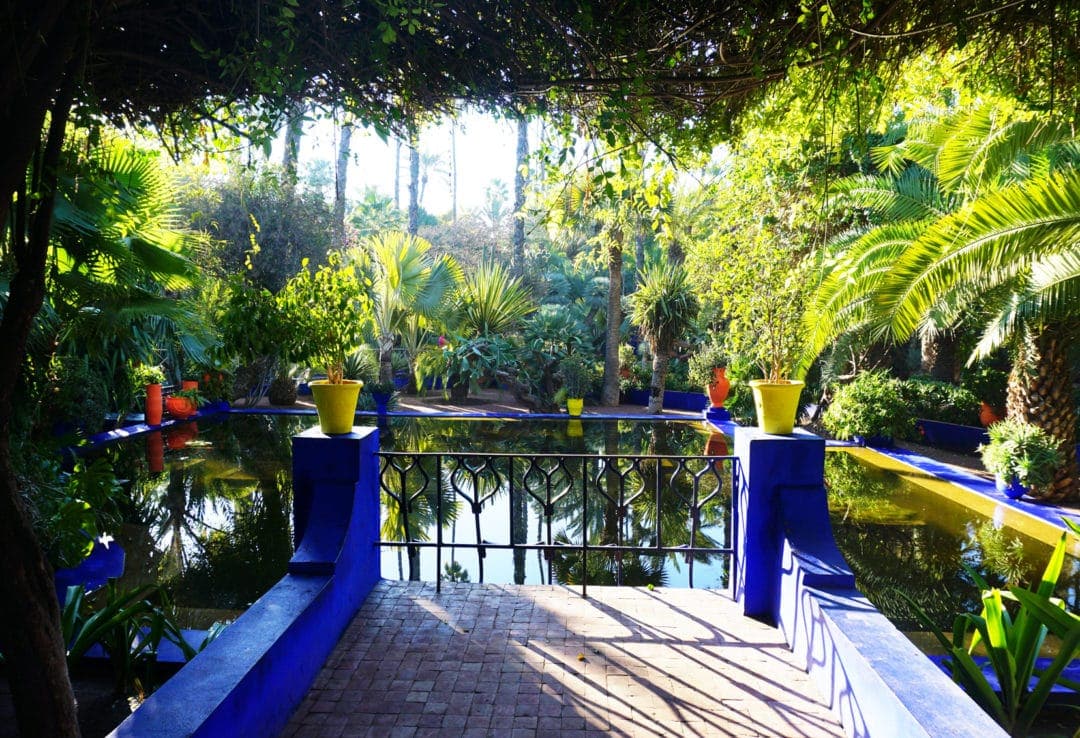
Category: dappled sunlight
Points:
column 502, row 657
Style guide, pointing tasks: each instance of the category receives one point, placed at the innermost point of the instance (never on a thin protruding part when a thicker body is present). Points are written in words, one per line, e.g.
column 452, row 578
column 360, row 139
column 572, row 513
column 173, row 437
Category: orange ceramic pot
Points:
column 153, row 404
column 180, row 407
column 719, row 387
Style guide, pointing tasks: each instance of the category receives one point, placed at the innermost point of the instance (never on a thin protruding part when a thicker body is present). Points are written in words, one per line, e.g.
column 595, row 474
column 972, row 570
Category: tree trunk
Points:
column 453, row 171
column 517, row 260
column 386, row 367
column 41, row 79
column 1040, row 392
column 639, row 257
column 341, row 178
column 938, row 355
column 397, row 175
column 414, row 181
column 610, row 394
column 294, row 132
column 660, row 362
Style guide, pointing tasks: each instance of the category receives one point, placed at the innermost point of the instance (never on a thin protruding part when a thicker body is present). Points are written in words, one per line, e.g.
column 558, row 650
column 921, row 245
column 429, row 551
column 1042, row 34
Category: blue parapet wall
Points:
column 250, row 680
column 788, row 571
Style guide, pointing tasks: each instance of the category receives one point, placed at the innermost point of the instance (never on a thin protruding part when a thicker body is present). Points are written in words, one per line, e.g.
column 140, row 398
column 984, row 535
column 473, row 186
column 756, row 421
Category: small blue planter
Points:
column 1013, row 489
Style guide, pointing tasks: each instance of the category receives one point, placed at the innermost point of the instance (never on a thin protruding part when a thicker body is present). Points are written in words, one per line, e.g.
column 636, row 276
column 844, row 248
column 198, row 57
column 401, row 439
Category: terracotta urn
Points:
column 718, row 388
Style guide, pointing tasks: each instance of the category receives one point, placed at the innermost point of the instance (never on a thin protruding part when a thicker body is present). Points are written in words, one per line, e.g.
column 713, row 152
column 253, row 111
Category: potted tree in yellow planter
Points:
column 578, row 379
column 329, row 309
column 766, row 328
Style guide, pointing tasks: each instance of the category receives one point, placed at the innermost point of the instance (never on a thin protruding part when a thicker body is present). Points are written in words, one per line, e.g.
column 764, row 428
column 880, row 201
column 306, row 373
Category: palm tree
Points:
column 411, row 287
column 663, row 308
column 117, row 246
column 1003, row 242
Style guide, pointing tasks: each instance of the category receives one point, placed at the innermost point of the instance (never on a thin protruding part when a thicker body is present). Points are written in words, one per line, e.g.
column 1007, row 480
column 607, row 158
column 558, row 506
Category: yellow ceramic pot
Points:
column 776, row 404
column 336, row 404
column 574, row 406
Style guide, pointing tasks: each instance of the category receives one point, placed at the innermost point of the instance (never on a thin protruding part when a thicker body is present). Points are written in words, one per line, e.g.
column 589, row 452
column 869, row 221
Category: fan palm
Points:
column 411, row 288
column 663, row 308
column 118, row 245
column 1000, row 236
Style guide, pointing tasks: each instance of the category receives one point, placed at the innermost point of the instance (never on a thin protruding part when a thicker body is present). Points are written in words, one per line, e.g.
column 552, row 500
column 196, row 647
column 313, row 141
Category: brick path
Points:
column 503, row 660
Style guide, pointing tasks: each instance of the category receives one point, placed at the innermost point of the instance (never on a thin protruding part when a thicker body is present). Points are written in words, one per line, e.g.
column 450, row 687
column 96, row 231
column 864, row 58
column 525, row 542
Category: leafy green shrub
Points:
column 75, row 394
column 987, row 384
column 871, row 405
column 577, row 375
column 708, row 357
column 935, row 400
column 1022, row 450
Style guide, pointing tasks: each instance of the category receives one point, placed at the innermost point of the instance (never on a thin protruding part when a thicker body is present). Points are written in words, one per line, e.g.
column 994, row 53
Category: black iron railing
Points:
column 597, row 517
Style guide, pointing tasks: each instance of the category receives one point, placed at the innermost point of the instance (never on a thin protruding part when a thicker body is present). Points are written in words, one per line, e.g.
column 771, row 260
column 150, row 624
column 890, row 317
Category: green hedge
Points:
column 931, row 399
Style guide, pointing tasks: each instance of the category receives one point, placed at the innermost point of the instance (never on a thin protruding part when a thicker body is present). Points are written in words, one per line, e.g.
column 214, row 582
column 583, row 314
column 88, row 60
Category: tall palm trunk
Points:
column 610, row 393
column 1040, row 392
column 414, row 181
column 518, row 255
column 660, row 363
column 341, row 175
column 294, row 132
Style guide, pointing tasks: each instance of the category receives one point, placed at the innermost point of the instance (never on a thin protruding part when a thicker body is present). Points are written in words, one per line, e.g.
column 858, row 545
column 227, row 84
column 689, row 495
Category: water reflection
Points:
column 897, row 536
column 208, row 515
column 628, row 503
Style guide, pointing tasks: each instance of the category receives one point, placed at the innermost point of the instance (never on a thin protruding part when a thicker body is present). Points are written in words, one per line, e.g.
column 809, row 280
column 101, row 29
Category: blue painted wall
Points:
column 250, row 680
column 789, row 572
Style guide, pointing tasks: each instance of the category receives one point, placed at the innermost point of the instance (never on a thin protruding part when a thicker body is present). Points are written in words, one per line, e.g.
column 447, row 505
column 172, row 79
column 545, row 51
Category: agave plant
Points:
column 490, row 301
column 1013, row 642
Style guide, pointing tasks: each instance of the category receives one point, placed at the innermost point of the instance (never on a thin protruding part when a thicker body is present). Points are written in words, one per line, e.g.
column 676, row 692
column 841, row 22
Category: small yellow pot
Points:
column 777, row 404
column 336, row 404
column 574, row 406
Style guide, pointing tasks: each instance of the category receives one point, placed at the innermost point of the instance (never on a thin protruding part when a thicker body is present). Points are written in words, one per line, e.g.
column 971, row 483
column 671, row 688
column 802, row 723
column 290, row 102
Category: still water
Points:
column 208, row 517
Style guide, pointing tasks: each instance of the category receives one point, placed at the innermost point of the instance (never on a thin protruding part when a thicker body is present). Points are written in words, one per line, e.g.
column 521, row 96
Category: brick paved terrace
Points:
column 503, row 660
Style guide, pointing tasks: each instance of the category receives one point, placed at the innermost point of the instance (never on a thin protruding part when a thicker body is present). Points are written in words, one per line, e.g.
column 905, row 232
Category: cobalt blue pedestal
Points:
column 717, row 415
column 769, row 466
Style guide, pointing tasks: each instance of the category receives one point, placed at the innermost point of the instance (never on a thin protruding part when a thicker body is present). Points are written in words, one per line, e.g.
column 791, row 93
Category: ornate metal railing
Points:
column 602, row 518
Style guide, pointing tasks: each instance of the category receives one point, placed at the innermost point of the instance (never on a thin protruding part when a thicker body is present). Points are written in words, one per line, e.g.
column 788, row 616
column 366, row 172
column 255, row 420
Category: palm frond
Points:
column 996, row 238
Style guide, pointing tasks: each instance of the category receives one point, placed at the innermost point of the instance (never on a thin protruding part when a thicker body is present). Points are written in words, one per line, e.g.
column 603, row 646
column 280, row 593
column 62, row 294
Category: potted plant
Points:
column 764, row 310
column 183, row 404
column 328, row 309
column 1021, row 456
column 708, row 370
column 871, row 409
column 466, row 360
column 578, row 378
column 988, row 385
column 382, row 393
column 150, row 378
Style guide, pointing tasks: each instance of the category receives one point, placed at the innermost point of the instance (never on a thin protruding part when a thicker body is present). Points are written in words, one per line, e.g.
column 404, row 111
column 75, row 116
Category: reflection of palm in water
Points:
column 621, row 510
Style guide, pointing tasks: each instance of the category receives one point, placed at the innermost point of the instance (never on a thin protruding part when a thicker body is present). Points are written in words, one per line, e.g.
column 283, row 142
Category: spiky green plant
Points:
column 490, row 301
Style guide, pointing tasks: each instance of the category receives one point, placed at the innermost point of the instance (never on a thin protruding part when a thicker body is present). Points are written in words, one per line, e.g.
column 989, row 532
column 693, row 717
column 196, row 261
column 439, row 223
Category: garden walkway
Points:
column 505, row 660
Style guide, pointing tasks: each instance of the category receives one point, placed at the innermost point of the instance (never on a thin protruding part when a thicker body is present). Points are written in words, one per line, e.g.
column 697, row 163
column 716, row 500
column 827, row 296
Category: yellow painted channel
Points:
column 1002, row 515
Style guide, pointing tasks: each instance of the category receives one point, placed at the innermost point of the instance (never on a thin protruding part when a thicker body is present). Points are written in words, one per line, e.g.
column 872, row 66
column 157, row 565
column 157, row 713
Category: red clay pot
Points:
column 719, row 387
column 153, row 404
